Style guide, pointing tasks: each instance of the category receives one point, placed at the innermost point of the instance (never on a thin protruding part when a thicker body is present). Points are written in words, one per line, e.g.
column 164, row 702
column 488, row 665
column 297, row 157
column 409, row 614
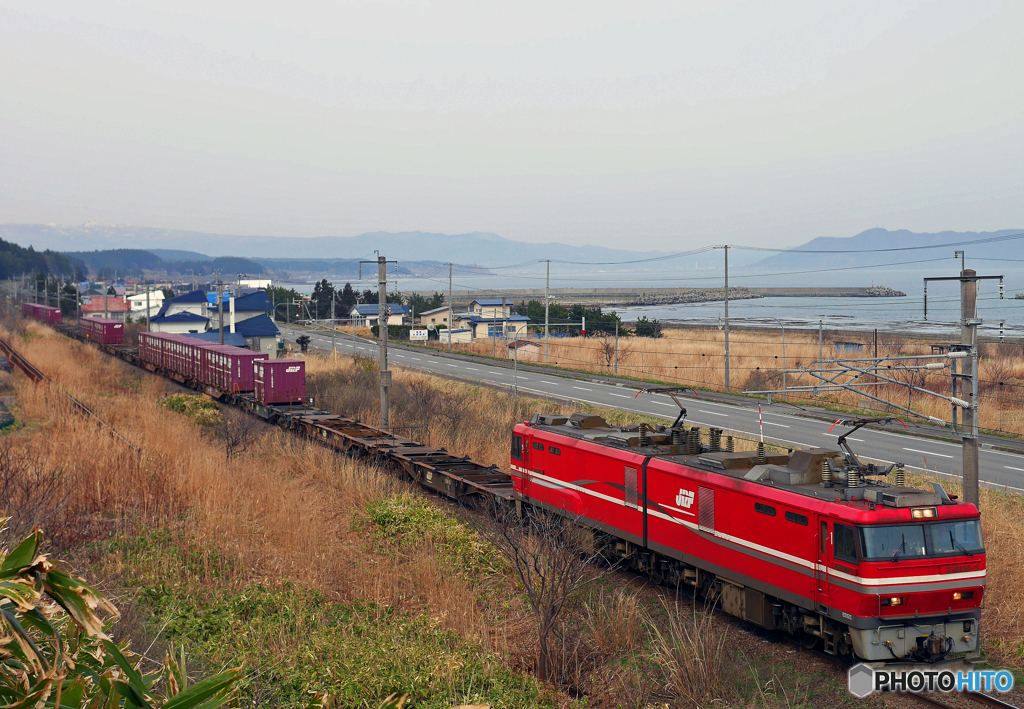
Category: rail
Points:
column 33, row 373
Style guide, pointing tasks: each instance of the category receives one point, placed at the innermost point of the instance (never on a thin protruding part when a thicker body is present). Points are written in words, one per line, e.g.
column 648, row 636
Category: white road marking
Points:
column 914, row 450
column 851, row 438
column 415, row 359
column 1010, row 467
column 713, row 413
column 621, row 396
column 473, row 369
column 583, row 389
column 554, row 384
column 769, row 423
column 452, row 365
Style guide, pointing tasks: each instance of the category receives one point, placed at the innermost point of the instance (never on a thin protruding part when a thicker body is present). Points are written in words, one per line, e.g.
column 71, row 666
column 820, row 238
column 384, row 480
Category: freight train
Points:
column 814, row 543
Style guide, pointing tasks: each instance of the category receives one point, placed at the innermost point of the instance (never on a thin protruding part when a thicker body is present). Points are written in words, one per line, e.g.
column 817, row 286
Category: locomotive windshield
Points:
column 906, row 541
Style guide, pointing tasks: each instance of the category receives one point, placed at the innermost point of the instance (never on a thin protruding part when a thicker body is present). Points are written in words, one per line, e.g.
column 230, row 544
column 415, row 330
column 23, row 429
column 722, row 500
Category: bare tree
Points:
column 910, row 376
column 606, row 348
column 33, row 496
column 238, row 430
column 551, row 559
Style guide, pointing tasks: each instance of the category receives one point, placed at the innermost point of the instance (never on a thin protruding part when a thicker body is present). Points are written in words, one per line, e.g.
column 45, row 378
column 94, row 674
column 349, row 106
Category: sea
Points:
column 1001, row 316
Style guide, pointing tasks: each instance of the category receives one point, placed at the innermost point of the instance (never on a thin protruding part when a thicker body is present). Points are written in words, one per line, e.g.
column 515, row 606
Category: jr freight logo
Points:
column 684, row 498
column 863, row 680
column 292, row 369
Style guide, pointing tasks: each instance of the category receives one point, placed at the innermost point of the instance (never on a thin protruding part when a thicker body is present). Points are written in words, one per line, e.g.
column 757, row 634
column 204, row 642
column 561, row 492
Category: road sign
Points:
column 417, row 334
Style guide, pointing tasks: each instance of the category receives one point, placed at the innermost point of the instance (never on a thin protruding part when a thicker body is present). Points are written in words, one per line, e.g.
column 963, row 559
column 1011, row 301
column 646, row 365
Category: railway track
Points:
column 37, row 377
column 433, row 469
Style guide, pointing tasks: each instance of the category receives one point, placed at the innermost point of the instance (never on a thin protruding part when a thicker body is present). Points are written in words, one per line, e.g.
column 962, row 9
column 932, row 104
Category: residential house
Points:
column 435, row 317
column 482, row 326
column 182, row 314
column 366, row 315
column 491, row 308
column 111, row 307
column 138, row 303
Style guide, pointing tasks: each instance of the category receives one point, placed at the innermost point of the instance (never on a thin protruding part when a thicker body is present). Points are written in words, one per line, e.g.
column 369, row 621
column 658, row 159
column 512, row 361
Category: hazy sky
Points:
column 647, row 125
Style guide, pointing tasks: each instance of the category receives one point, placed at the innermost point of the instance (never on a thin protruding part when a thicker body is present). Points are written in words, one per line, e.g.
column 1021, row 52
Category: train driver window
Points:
column 517, row 447
column 538, row 446
column 844, row 544
column 824, row 538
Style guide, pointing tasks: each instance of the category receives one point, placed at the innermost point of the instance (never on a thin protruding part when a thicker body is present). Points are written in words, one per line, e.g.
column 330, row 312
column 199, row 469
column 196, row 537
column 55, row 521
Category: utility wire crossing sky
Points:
column 658, row 124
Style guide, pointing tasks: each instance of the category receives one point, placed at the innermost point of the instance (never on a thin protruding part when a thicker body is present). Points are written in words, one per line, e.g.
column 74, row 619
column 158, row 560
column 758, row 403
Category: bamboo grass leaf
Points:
column 24, row 554
column 201, row 692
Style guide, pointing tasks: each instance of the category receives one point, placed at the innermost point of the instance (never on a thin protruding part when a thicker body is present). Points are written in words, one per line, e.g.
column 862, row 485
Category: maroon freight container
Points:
column 280, row 381
column 105, row 332
column 42, row 313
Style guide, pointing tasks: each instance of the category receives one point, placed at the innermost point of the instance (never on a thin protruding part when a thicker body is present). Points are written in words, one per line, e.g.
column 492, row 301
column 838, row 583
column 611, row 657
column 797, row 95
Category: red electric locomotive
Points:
column 811, row 543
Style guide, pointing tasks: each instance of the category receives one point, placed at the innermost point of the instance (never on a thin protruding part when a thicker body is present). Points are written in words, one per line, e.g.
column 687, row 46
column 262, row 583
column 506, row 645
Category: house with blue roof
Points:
column 367, row 314
column 246, row 316
column 491, row 318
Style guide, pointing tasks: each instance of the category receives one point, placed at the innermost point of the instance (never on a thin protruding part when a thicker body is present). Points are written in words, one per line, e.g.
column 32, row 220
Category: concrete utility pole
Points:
column 148, row 311
column 968, row 336
column 220, row 309
column 547, row 286
column 451, row 324
column 726, row 247
column 382, row 321
column 334, row 296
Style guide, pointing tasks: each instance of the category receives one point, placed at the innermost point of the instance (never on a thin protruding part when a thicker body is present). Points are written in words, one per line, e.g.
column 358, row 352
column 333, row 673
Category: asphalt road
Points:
column 998, row 468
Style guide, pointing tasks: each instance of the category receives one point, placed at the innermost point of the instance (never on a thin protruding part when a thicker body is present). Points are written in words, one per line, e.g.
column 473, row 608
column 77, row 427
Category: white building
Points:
column 365, row 315
column 138, row 303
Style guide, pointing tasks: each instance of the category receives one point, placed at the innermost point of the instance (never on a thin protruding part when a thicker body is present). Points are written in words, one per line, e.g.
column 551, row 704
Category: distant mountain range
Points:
column 421, row 252
column 883, row 247
column 477, row 248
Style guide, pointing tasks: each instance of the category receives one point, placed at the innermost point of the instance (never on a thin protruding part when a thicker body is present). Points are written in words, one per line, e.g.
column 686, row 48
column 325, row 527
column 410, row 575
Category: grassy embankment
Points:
column 321, row 572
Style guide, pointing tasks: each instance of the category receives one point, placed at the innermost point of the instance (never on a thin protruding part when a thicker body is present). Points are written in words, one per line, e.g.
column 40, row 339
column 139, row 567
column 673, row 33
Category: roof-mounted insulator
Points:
column 901, row 476
column 642, row 441
column 730, row 444
column 761, row 457
column 826, row 473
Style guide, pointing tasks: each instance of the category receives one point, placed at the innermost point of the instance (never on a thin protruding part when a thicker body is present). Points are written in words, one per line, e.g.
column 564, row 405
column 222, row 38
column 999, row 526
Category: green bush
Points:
column 57, row 645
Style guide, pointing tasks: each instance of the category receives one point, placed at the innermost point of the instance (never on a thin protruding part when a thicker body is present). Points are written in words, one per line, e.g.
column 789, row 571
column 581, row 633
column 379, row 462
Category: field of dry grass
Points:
column 282, row 514
column 695, row 357
column 462, row 417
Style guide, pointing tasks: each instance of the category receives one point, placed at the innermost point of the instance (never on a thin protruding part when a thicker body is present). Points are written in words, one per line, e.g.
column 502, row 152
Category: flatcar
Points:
column 813, row 543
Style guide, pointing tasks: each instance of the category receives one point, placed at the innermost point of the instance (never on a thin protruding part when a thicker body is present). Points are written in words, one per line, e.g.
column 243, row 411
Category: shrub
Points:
column 64, row 650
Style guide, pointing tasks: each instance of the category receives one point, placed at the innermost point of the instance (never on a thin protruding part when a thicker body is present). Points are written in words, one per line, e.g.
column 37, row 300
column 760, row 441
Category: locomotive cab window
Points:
column 517, row 447
column 844, row 543
column 764, row 509
column 554, row 451
column 538, row 446
column 794, row 517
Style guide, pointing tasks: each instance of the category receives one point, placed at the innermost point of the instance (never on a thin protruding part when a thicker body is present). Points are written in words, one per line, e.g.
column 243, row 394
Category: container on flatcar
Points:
column 280, row 381
column 102, row 331
column 42, row 313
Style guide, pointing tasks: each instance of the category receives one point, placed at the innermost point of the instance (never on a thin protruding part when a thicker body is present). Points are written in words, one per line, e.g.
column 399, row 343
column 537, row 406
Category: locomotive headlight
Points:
column 923, row 513
column 962, row 595
column 892, row 601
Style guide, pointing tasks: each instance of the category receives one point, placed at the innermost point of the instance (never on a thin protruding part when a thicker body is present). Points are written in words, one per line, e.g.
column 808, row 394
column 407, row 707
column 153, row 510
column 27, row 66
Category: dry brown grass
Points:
column 287, row 509
column 695, row 357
